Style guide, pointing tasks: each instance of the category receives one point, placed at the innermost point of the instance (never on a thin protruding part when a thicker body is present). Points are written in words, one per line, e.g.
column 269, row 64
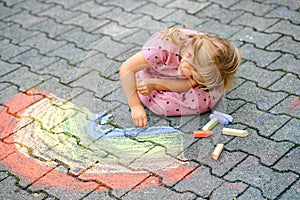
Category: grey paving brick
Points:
column 261, row 57
column 223, row 30
column 71, row 53
column 138, row 38
column 13, row 2
column 289, row 106
column 7, row 67
column 87, row 23
column 17, row 34
column 228, row 190
column 260, row 39
column 33, row 6
column 23, row 78
column 259, row 146
column 184, row 19
column 92, row 8
column 197, row 182
column 289, row 83
column 102, row 193
column 225, row 3
column 251, row 193
column 42, row 43
column 66, row 4
column 217, row 12
column 25, row 19
column 293, row 4
column 262, row 77
column 249, row 92
column 266, row 123
column 8, row 92
column 127, row 5
column 51, row 28
column 290, row 162
column 33, row 59
column 271, row 182
column 232, row 105
column 154, row 11
column 188, row 6
column 292, row 193
column 286, row 44
column 256, row 8
column 7, row 11
column 9, row 50
column 58, row 13
column 286, row 62
column 289, row 132
column 258, row 23
column 285, row 13
column 285, row 27
column 62, row 70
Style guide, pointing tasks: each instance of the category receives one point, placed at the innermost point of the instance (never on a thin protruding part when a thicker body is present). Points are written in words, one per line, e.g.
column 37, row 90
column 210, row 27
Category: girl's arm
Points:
column 127, row 75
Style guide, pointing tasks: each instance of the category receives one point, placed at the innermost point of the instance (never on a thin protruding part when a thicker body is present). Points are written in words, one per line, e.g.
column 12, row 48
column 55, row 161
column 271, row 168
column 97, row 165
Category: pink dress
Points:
column 163, row 58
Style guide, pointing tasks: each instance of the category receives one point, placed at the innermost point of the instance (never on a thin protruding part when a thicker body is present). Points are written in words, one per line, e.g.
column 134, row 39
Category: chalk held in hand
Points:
column 228, row 117
column 235, row 132
column 217, row 152
column 221, row 119
column 202, row 134
column 209, row 125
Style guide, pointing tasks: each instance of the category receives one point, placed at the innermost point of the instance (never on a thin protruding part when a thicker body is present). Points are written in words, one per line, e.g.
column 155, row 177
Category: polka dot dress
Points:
column 163, row 57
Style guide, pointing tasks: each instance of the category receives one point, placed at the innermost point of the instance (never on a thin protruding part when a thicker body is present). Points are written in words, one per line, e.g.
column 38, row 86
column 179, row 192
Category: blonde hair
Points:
column 215, row 59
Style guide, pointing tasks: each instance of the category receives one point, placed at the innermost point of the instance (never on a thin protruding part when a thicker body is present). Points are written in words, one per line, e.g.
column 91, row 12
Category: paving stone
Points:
column 92, row 8
column 12, row 2
column 62, row 70
column 293, row 4
column 188, row 6
column 51, row 28
column 184, row 19
column 259, row 146
column 249, row 92
column 33, row 6
column 33, row 59
column 285, row 27
column 289, row 106
column 292, row 193
column 253, row 21
column 290, row 162
column 197, row 182
column 138, row 38
column 24, row 79
column 71, row 53
column 260, row 39
column 225, row 3
column 87, row 23
column 102, row 194
column 287, row 63
column 7, row 11
column 157, row 193
column 217, row 12
column 288, row 132
column 66, row 4
column 127, row 5
column 272, row 183
column 58, row 13
column 154, row 11
column 9, row 50
column 251, row 193
column 42, row 43
column 266, row 123
column 17, row 34
column 232, row 105
column 285, row 13
column 262, row 77
column 25, row 18
column 8, row 92
column 213, row 26
column 286, row 44
column 253, row 7
column 228, row 190
column 7, row 67
column 289, row 83
column 261, row 57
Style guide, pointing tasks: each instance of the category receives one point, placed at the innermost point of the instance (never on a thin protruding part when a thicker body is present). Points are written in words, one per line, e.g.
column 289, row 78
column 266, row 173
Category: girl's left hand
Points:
column 145, row 86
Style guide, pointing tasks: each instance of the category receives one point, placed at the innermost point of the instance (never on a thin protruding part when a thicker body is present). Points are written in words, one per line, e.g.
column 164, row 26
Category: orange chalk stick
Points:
column 217, row 152
column 202, row 134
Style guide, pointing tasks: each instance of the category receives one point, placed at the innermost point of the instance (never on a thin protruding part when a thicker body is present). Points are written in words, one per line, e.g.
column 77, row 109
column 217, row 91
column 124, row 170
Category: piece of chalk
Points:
column 234, row 132
column 209, row 125
column 217, row 152
column 228, row 117
column 222, row 120
column 202, row 134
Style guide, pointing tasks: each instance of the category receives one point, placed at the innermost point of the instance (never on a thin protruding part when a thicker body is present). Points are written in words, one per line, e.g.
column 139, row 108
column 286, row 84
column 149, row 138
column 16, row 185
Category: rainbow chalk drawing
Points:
column 71, row 148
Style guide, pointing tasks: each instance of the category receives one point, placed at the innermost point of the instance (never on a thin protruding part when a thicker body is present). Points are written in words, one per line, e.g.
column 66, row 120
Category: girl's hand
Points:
column 145, row 86
column 139, row 116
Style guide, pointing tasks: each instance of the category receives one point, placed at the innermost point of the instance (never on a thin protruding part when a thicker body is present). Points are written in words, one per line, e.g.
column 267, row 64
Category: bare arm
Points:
column 127, row 75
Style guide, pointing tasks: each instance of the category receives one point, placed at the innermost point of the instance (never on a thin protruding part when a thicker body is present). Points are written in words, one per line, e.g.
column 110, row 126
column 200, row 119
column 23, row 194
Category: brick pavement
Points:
column 59, row 63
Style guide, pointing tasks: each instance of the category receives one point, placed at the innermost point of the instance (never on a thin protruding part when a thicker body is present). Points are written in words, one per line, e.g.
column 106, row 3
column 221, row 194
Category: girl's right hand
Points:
column 139, row 116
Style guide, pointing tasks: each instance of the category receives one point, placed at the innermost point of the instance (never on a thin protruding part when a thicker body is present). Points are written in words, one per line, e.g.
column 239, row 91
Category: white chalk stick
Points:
column 235, row 132
column 217, row 152
column 228, row 117
column 209, row 125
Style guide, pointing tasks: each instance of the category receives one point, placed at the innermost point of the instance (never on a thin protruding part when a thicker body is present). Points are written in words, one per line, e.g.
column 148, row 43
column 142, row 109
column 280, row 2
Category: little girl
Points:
column 178, row 72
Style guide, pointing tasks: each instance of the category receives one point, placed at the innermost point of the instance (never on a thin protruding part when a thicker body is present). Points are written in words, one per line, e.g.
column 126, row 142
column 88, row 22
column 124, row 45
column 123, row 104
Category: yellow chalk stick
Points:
column 235, row 132
column 209, row 125
column 217, row 152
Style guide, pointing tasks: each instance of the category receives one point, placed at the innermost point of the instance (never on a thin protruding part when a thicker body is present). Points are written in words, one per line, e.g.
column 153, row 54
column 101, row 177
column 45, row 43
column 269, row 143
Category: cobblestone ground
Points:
column 59, row 62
